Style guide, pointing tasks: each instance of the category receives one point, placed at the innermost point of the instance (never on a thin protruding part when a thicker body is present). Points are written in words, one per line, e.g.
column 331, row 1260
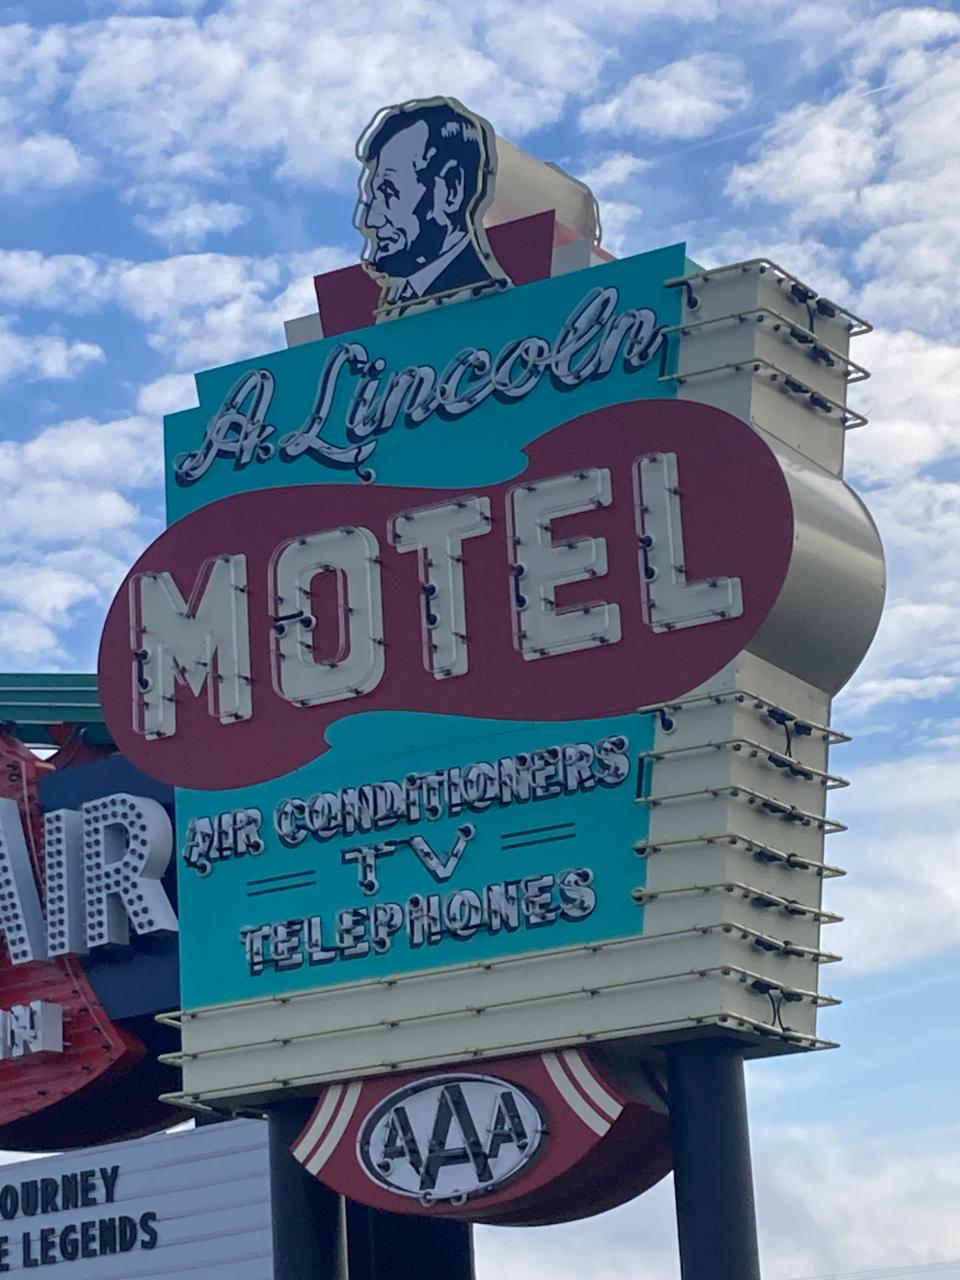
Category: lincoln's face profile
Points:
column 427, row 171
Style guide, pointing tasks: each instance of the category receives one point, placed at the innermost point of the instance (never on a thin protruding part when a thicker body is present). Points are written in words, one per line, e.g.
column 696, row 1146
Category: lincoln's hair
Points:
column 451, row 136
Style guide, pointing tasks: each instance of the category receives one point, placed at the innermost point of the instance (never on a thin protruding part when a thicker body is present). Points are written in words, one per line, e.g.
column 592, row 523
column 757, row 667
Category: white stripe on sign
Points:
column 335, row 1132
column 591, row 1086
column 314, row 1131
column 572, row 1096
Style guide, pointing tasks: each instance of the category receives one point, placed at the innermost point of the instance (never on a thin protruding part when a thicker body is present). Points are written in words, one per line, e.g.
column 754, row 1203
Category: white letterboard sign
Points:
column 193, row 1204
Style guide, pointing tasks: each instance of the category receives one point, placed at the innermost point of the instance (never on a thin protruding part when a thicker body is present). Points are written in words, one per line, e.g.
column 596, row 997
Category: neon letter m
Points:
column 203, row 642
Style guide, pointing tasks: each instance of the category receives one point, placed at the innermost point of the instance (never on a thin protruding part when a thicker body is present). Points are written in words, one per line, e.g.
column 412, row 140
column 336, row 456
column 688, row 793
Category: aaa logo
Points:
column 451, row 1138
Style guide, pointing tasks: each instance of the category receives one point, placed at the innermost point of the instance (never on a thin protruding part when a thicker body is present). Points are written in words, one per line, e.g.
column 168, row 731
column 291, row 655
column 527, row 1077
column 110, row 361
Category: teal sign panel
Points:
column 461, row 444
column 289, row 885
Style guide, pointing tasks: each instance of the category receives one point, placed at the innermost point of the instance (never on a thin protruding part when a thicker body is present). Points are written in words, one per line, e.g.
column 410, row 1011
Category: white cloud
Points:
column 685, row 99
column 191, row 223
column 40, row 160
column 70, row 528
column 38, row 356
column 180, row 94
column 912, row 256
column 877, row 175
column 624, row 14
column 542, row 47
column 906, row 27
column 903, row 846
column 815, row 159
column 900, row 881
column 623, row 226
column 817, row 263
column 54, row 510
column 32, row 60
column 257, row 85
column 184, row 301
column 818, row 27
column 33, row 157
column 172, row 392
column 63, row 282
column 612, row 178
column 911, row 402
column 890, row 690
column 152, row 290
column 916, row 653
column 638, row 1239
column 43, row 590
column 103, row 566
column 915, row 658
column 613, row 171
column 25, row 640
column 190, row 97
column 197, row 333
column 127, row 452
column 204, row 309
column 825, row 1206
column 207, row 309
column 878, row 162
column 153, row 7
column 199, row 309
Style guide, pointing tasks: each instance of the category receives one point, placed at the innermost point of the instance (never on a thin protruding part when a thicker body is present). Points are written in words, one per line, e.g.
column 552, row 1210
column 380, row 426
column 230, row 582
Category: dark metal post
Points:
column 307, row 1216
column 716, row 1219
column 393, row 1246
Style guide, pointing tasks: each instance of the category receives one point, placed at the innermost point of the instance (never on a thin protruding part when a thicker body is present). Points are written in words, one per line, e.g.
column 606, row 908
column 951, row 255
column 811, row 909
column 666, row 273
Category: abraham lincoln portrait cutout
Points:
column 428, row 175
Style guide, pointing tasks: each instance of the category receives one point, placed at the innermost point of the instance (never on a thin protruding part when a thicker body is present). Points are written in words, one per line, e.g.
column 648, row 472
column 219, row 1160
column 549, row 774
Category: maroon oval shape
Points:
column 737, row 521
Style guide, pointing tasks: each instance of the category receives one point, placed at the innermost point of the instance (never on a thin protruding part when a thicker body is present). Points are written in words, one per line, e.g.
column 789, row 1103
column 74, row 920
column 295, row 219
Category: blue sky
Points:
column 173, row 173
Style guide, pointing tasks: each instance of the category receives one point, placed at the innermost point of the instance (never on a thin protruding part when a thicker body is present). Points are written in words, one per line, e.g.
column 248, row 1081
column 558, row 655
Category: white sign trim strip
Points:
column 589, row 1083
column 311, row 1139
column 573, row 1097
column 335, row 1133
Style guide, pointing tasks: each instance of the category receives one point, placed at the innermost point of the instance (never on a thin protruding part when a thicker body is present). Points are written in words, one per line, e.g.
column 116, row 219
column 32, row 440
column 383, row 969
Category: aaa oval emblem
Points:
column 449, row 1139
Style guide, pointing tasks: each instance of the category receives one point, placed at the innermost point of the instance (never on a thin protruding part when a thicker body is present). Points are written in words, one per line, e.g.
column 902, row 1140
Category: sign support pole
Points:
column 401, row 1247
column 713, row 1177
column 307, row 1217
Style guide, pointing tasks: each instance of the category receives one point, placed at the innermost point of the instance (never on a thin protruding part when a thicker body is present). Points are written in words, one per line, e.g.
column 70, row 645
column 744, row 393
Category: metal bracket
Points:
column 772, row 710
column 796, row 993
column 855, row 324
column 815, row 347
column 781, row 946
column 762, row 852
column 796, row 768
column 777, row 808
column 849, row 418
column 759, row 897
column 767, row 1030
